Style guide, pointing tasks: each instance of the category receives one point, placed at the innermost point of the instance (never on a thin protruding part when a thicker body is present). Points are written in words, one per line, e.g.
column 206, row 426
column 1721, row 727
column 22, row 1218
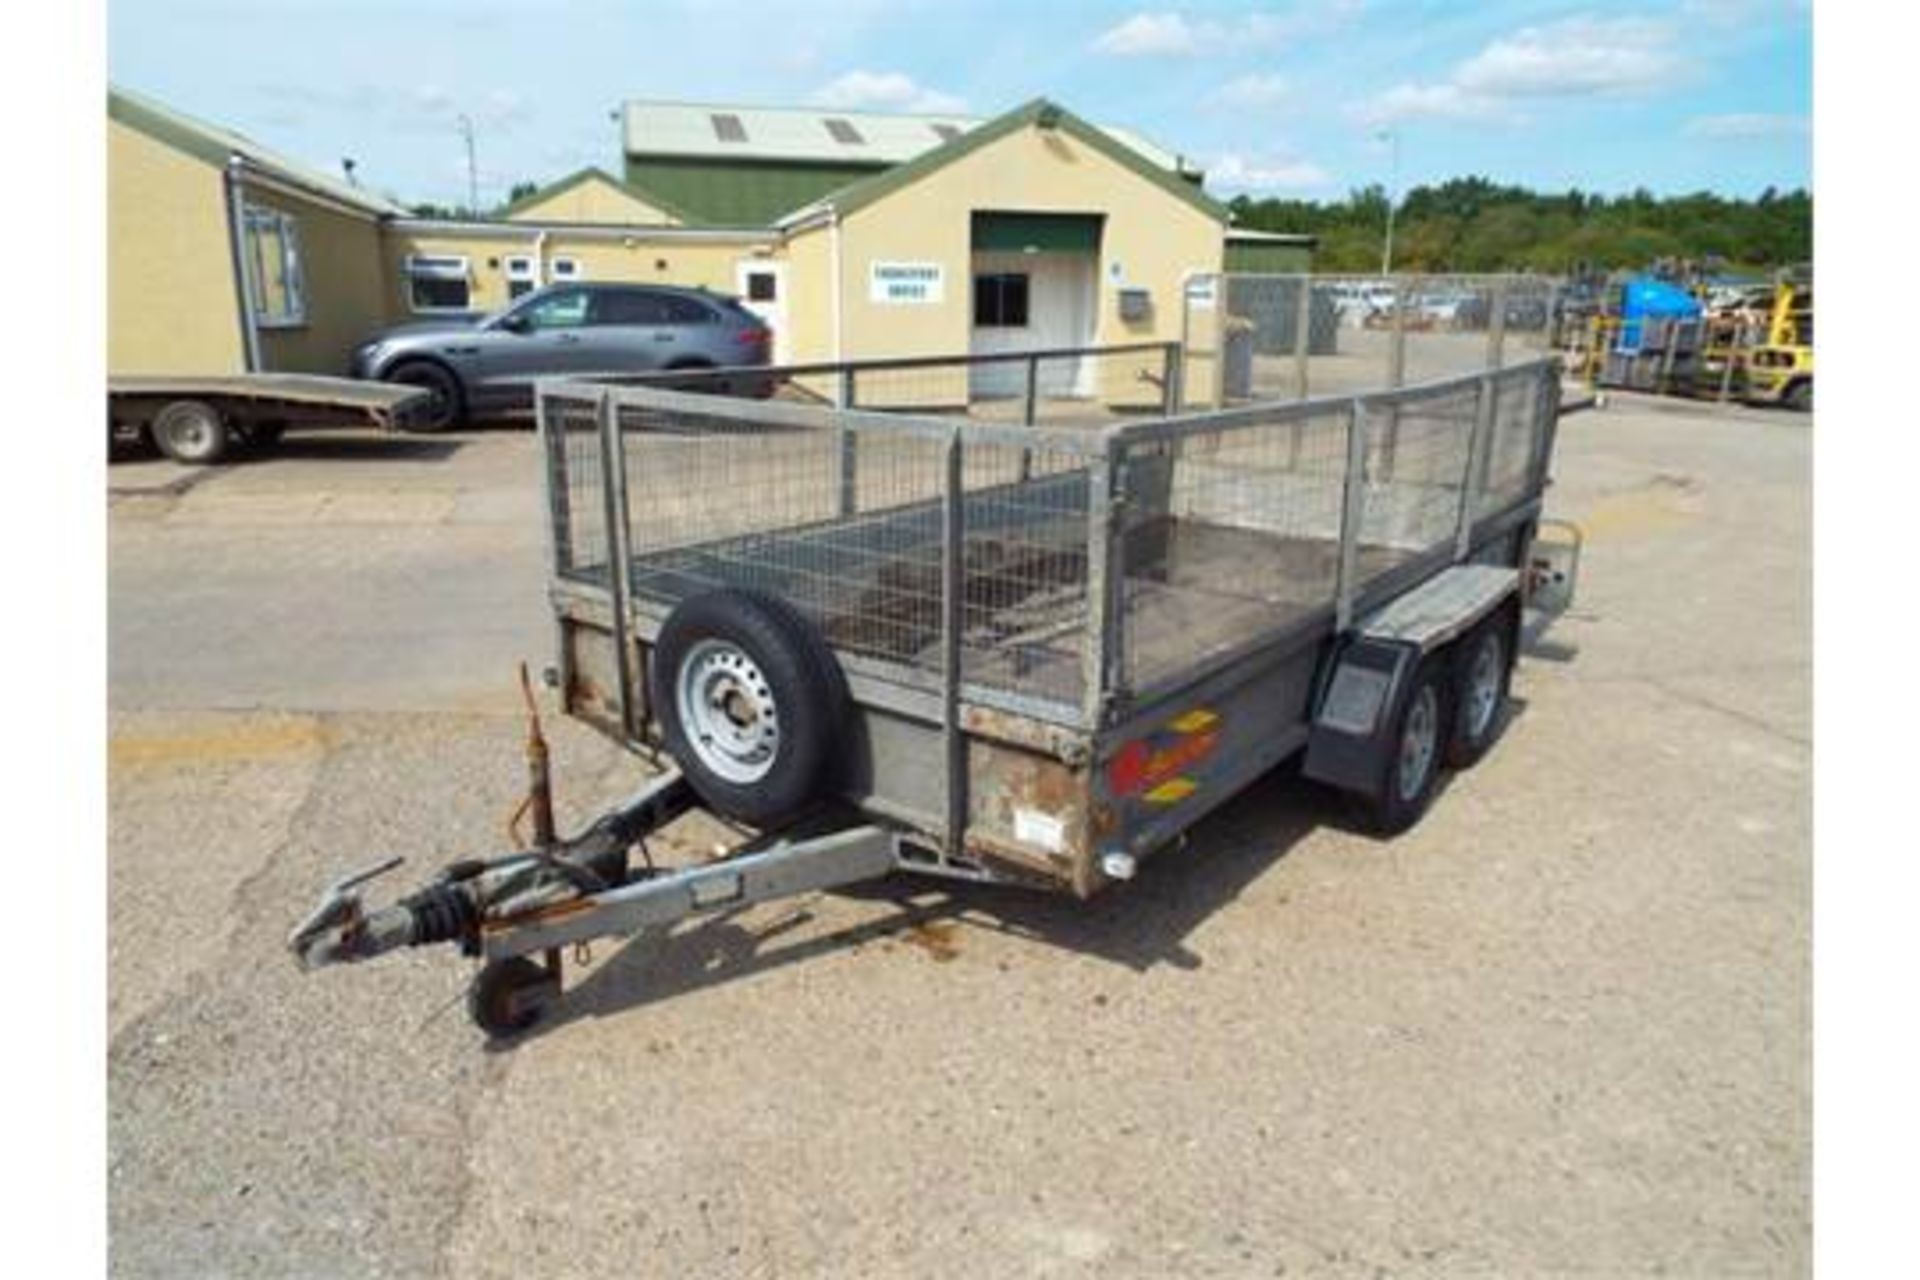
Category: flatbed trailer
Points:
column 930, row 639
column 201, row 420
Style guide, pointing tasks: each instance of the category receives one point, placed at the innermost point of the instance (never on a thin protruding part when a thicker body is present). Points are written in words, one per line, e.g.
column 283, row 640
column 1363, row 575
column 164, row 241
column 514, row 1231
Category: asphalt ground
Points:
column 1561, row 1028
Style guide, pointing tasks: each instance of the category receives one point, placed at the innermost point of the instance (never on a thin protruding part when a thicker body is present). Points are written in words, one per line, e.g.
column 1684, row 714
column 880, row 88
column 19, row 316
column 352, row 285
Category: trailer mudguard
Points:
column 1347, row 744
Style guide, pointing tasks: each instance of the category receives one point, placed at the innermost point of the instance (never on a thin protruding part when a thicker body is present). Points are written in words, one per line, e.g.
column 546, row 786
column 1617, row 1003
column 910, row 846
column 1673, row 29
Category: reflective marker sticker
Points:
column 1030, row 826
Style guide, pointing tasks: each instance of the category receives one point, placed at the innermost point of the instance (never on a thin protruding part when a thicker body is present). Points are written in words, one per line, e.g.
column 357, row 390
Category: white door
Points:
column 1029, row 302
column 762, row 287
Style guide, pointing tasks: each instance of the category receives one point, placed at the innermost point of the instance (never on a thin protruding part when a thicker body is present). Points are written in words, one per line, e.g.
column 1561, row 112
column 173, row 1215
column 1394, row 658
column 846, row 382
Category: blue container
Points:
column 1648, row 299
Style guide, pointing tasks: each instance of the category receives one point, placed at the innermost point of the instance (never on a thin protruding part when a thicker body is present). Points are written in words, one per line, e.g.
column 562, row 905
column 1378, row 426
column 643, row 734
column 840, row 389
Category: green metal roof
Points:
column 739, row 193
column 217, row 146
column 1038, row 113
column 580, row 176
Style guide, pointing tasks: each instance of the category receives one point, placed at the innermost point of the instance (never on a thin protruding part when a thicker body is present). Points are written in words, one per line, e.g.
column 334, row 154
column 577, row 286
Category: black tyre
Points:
column 1799, row 396
column 1421, row 726
column 1482, row 675
column 191, row 432
column 447, row 405
column 508, row 996
column 751, row 703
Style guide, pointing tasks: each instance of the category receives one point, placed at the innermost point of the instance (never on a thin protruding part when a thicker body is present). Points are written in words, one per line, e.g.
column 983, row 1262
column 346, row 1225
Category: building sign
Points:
column 1200, row 293
column 907, row 282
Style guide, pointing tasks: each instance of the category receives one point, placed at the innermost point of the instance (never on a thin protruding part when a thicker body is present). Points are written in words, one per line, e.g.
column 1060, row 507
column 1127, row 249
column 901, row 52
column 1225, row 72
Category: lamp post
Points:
column 473, row 172
column 1392, row 137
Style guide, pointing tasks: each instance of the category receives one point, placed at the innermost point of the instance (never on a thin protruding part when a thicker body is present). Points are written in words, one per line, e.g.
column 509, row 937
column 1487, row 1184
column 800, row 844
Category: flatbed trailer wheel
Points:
column 1482, row 675
column 508, row 996
column 1419, row 739
column 191, row 431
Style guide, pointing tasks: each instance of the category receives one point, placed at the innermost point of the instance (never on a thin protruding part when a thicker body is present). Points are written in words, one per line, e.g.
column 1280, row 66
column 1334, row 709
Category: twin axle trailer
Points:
column 1009, row 619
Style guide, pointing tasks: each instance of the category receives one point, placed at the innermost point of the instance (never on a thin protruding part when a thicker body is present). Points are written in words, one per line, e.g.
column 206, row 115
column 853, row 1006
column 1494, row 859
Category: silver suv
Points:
column 475, row 365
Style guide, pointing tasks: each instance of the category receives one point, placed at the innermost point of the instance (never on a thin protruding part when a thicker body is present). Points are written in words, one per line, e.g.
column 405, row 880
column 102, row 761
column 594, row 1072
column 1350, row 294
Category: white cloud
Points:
column 1434, row 102
column 1169, row 34
column 1577, row 57
column 1233, row 172
column 1252, row 91
column 1153, row 35
column 1744, row 126
column 886, row 91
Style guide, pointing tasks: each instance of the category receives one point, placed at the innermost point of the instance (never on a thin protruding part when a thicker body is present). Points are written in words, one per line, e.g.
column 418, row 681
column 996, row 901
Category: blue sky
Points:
column 1287, row 99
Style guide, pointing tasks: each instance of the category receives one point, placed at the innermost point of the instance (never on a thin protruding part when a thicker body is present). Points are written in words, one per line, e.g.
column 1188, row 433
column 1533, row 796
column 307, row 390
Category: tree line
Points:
column 1474, row 224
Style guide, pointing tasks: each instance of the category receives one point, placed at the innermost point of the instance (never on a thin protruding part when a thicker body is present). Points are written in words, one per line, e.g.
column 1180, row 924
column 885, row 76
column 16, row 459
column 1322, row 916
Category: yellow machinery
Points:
column 1780, row 369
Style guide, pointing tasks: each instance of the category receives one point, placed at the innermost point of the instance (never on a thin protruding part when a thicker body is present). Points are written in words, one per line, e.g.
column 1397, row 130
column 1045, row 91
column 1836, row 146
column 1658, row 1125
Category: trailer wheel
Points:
column 1420, row 731
column 751, row 702
column 508, row 996
column 191, row 431
column 1482, row 674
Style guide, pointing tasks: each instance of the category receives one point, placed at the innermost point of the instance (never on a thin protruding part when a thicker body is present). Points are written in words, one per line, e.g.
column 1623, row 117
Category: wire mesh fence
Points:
column 1254, row 337
column 1055, row 563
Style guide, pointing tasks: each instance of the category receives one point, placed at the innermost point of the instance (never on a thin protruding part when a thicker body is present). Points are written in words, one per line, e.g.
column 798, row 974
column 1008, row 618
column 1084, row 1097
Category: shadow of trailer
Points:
column 1031, row 653
column 203, row 420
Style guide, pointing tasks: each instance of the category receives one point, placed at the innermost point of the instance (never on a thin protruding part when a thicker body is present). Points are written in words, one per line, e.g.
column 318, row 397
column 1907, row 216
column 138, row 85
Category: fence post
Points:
column 1302, row 336
column 613, row 467
column 1106, row 616
column 1474, row 481
column 952, row 604
column 1497, row 324
column 1219, row 399
column 1170, row 375
column 849, row 449
column 1352, row 511
column 1397, row 335
column 1029, row 415
column 1396, row 376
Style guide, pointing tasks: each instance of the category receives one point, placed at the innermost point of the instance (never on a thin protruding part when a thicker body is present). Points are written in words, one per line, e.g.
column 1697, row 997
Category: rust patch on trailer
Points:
column 1065, row 745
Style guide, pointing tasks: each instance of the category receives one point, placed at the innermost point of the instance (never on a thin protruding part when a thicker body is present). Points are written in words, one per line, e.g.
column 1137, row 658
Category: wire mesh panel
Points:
column 846, row 516
column 1230, row 531
column 1507, row 475
column 946, row 546
column 576, row 485
column 1024, row 609
column 1416, row 450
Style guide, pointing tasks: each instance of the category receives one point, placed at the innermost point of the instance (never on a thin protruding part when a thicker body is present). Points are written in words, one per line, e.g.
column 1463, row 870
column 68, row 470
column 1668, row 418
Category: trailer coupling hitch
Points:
column 337, row 929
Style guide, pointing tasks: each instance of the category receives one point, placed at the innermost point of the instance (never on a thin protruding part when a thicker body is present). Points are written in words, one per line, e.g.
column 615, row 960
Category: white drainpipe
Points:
column 235, row 179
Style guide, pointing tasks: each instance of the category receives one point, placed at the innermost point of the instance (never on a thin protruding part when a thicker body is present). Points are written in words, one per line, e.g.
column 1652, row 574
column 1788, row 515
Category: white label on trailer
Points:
column 1030, row 826
column 907, row 283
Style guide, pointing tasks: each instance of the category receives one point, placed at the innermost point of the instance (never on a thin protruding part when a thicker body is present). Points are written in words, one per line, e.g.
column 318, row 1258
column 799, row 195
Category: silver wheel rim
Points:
column 1418, row 741
column 190, row 433
column 727, row 710
column 1483, row 687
